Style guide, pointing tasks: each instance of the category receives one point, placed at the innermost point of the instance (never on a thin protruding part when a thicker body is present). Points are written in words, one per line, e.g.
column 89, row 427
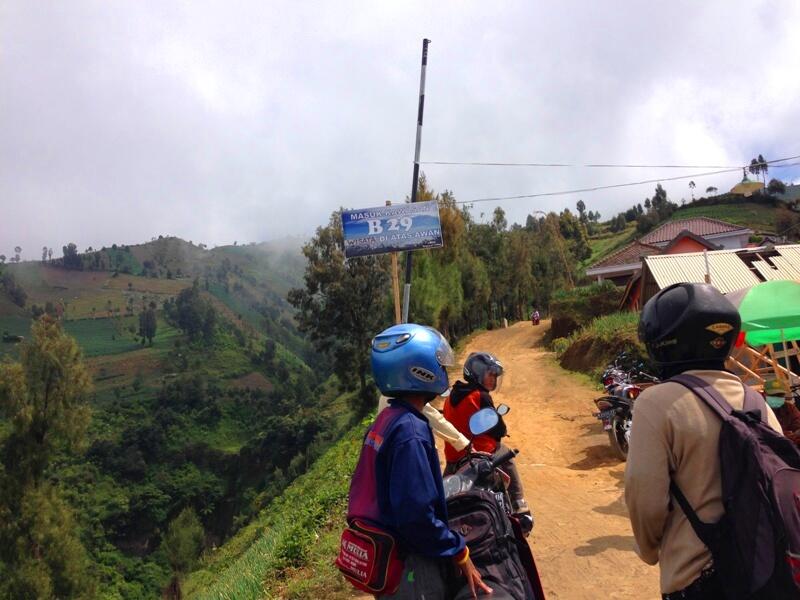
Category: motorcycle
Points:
column 479, row 508
column 535, row 318
column 616, row 407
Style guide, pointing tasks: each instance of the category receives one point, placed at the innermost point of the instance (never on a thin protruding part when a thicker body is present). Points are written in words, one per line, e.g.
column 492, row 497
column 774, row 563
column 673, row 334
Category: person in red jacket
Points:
column 483, row 373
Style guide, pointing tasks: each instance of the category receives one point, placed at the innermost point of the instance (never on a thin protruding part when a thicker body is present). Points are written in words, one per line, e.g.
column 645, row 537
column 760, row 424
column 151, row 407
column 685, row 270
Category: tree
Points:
column 711, row 190
column 776, row 186
column 581, row 206
column 763, row 168
column 754, row 167
column 13, row 289
column 692, row 185
column 182, row 544
column 193, row 313
column 647, row 204
column 44, row 253
column 43, row 397
column 17, row 252
column 2, row 259
column 49, row 254
column 72, row 259
column 499, row 221
column 148, row 323
column 339, row 305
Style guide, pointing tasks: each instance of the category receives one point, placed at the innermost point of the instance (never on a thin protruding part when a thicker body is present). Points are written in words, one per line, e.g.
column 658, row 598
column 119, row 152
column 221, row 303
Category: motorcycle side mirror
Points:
column 503, row 409
column 483, row 420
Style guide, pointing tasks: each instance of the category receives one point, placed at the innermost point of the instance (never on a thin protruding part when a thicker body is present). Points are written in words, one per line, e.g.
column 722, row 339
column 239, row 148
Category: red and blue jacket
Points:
column 397, row 483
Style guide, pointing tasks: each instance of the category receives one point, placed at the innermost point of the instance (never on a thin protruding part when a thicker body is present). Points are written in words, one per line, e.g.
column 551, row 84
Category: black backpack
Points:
column 756, row 543
column 477, row 515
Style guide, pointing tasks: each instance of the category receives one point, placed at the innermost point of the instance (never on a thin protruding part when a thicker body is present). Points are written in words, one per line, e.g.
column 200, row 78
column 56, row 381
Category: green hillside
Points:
column 758, row 217
column 219, row 421
column 286, row 551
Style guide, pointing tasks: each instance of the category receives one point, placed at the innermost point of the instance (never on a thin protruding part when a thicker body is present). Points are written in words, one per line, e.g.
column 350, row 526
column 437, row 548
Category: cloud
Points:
column 248, row 120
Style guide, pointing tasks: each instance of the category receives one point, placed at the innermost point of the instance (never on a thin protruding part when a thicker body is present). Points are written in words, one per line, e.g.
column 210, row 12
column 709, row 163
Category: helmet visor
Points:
column 493, row 380
column 444, row 353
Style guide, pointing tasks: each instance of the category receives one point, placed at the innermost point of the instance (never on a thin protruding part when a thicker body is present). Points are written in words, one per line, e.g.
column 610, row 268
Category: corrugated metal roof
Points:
column 728, row 272
column 788, row 267
column 791, row 252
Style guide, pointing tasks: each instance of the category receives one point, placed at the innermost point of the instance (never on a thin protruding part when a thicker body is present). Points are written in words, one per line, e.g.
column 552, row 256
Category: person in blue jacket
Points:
column 397, row 483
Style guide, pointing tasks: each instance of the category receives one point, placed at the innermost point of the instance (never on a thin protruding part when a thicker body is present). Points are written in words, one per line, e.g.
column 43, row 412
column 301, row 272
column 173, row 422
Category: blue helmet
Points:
column 411, row 358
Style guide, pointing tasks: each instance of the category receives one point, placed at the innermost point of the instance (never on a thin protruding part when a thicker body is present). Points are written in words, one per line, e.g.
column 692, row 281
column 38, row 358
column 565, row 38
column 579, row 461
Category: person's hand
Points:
column 474, row 579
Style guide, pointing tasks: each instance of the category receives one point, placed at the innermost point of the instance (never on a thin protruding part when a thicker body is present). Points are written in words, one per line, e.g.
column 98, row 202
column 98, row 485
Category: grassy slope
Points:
column 286, row 551
column 758, row 217
column 607, row 243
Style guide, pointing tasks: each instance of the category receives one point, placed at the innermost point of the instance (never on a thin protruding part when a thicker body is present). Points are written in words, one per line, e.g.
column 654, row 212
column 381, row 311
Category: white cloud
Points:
column 251, row 120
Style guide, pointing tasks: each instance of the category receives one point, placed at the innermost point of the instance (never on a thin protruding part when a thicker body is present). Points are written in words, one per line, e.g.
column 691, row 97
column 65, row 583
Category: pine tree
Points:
column 43, row 397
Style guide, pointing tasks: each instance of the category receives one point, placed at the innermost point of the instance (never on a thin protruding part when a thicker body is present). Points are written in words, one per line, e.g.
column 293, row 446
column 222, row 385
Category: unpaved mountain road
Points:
column 582, row 539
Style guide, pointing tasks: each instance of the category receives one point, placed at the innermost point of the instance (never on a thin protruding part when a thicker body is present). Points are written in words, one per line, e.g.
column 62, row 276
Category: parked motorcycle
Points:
column 616, row 407
column 479, row 508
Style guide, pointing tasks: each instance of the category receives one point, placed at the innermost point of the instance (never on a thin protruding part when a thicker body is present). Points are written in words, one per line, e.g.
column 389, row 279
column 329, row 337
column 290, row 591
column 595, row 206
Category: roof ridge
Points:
column 621, row 250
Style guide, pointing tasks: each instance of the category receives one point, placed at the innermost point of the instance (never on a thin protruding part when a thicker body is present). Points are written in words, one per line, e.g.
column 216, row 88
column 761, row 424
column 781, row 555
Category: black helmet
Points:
column 688, row 325
column 478, row 364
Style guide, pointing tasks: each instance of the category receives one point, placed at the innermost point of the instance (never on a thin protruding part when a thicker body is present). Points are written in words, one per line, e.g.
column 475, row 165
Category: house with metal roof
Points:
column 684, row 235
column 727, row 270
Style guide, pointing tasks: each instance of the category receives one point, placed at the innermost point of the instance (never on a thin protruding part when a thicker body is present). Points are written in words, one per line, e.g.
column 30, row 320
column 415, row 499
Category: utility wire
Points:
column 621, row 185
column 591, row 165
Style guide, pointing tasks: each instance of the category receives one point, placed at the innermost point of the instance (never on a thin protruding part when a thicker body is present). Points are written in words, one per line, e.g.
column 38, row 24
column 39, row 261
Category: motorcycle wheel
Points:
column 618, row 436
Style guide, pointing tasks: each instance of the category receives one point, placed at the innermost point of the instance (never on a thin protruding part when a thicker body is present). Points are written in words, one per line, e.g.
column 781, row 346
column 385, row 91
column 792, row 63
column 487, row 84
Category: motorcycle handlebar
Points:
column 503, row 458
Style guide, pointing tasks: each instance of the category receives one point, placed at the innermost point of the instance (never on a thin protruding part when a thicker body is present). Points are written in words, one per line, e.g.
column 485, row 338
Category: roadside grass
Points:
column 288, row 550
column 759, row 217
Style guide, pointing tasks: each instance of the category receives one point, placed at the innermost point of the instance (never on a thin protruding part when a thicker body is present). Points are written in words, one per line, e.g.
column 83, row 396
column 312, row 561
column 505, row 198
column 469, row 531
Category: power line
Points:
column 619, row 185
column 590, row 165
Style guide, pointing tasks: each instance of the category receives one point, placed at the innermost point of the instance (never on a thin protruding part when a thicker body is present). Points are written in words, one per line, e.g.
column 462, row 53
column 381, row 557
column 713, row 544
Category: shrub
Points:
column 574, row 308
column 595, row 345
column 560, row 345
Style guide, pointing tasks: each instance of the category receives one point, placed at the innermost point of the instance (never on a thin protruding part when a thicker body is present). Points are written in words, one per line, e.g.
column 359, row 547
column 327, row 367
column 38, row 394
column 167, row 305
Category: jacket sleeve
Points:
column 444, row 429
column 647, row 485
column 413, row 494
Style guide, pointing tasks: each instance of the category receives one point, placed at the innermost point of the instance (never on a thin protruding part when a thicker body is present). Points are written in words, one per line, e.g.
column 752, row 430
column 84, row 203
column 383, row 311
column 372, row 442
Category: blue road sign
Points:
column 391, row 228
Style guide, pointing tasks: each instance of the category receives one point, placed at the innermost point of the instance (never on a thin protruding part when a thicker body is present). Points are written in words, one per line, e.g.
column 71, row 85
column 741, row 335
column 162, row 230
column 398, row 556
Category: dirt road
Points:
column 582, row 539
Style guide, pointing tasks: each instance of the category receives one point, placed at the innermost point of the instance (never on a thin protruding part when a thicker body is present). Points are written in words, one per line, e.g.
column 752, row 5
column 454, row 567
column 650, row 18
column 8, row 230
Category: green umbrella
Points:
column 770, row 312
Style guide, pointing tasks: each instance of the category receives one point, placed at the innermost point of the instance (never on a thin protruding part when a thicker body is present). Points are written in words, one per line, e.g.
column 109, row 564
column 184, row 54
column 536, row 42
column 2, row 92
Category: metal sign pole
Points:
column 415, row 179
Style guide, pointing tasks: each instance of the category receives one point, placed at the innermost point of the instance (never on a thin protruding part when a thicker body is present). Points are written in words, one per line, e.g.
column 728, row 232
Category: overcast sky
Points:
column 247, row 121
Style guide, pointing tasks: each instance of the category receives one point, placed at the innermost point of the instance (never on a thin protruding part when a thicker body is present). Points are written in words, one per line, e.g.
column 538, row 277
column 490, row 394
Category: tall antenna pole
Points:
column 415, row 178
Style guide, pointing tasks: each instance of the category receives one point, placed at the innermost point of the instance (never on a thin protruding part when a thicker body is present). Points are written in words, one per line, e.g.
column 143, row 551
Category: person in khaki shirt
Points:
column 687, row 328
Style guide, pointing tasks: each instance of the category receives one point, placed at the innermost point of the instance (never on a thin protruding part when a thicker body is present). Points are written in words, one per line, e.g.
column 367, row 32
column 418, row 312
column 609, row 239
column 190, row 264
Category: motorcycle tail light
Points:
column 603, row 404
column 633, row 392
column 608, row 381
